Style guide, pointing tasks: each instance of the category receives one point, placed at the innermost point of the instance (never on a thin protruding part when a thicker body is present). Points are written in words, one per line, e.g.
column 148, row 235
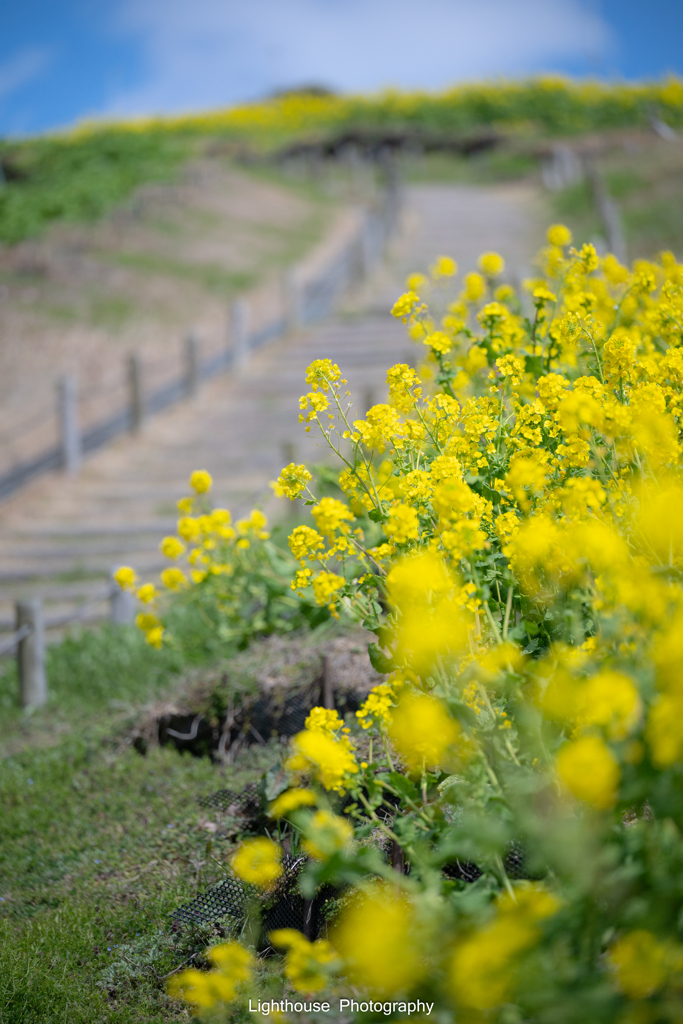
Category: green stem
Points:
column 508, row 609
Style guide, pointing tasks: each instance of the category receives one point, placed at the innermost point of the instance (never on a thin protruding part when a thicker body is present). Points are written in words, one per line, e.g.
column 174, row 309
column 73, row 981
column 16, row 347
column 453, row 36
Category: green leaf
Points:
column 405, row 787
column 379, row 661
column 273, row 782
column 377, row 515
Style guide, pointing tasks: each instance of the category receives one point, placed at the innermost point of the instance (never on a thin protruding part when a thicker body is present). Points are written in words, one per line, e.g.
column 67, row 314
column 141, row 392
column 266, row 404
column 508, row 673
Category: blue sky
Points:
column 63, row 60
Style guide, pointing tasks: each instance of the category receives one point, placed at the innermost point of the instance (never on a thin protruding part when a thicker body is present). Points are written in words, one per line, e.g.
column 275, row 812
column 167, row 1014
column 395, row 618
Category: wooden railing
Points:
column 27, row 642
column 304, row 303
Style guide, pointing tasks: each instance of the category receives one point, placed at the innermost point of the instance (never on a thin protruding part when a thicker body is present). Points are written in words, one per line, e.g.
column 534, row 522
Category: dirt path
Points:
column 62, row 536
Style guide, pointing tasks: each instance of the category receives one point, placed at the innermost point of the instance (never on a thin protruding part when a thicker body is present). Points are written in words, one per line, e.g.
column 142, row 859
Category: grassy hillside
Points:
column 81, row 174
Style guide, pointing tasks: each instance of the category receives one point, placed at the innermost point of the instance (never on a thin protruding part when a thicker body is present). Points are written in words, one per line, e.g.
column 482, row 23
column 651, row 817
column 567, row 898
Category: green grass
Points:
column 98, row 846
column 648, row 186
column 89, row 672
column 210, row 275
column 110, row 311
column 80, row 179
column 575, row 207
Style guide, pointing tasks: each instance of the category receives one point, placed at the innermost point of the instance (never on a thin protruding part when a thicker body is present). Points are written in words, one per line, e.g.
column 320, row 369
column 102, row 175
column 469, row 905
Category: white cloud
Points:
column 202, row 53
column 22, row 67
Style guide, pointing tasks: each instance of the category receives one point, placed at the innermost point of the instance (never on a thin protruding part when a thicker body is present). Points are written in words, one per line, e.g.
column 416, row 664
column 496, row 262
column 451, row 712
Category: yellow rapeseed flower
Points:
column 258, row 862
column 204, row 989
column 491, row 264
column 444, row 266
column 331, row 761
column 438, row 342
column 381, row 941
column 154, row 636
column 201, row 481
column 422, row 589
column 475, row 287
column 292, row 481
column 641, row 963
column 414, row 282
column 147, row 593
column 331, row 515
column 305, row 542
column 590, row 771
column 292, row 800
column 482, row 969
column 559, row 235
column 189, row 527
column 422, row 731
column 308, row 965
column 664, row 730
column 377, row 706
column 326, row 834
column 325, row 588
column 406, row 306
column 172, row 547
column 174, row 578
column 126, row 577
column 403, row 524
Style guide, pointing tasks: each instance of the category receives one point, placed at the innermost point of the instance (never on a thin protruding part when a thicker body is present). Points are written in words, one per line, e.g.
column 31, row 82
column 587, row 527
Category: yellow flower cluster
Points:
column 234, row 966
column 377, row 706
column 215, row 552
column 483, row 965
column 558, row 456
column 561, row 105
column 324, row 748
column 308, row 965
column 258, row 862
column 292, row 482
column 523, row 575
column 326, row 834
column 422, row 731
column 292, row 800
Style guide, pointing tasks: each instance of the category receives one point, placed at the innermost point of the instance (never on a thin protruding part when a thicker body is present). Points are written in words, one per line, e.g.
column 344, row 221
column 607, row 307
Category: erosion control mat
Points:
column 282, row 907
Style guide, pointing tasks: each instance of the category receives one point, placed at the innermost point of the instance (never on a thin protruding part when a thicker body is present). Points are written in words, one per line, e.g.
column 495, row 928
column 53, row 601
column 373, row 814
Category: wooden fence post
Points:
column 70, row 436
column 608, row 211
column 135, row 399
column 121, row 602
column 368, row 400
column 240, row 333
column 292, row 301
column 288, row 452
column 191, row 365
column 31, row 653
column 367, row 244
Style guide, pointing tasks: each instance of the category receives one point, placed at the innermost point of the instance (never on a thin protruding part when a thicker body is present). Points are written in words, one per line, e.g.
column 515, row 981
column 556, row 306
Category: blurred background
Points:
column 184, row 183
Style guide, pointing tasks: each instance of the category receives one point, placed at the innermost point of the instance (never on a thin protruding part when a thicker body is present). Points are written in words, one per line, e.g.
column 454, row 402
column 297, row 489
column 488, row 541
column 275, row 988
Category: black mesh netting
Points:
column 463, row 870
column 280, row 714
column 227, row 899
column 283, row 906
column 246, row 804
column 514, row 862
